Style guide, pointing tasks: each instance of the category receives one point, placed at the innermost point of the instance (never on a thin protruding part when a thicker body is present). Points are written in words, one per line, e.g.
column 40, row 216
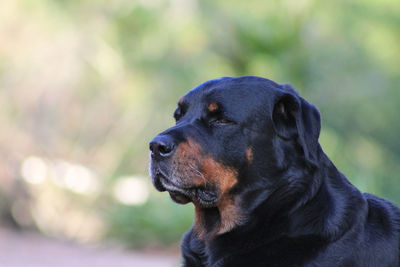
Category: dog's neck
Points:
column 330, row 189
column 334, row 191
column 271, row 217
column 228, row 214
column 275, row 218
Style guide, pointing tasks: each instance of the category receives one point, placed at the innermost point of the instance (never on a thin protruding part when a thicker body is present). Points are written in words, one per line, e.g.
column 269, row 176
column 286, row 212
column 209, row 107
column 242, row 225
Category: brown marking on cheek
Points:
column 225, row 178
column 213, row 107
column 186, row 158
column 216, row 172
column 249, row 155
column 199, row 224
column 180, row 101
column 231, row 215
column 189, row 156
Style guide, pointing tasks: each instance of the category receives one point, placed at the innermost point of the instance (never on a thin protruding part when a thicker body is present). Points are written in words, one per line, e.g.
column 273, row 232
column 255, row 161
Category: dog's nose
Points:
column 161, row 147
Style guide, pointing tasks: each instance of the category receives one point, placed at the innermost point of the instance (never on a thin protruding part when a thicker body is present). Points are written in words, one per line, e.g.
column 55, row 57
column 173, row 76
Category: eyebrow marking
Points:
column 181, row 101
column 213, row 107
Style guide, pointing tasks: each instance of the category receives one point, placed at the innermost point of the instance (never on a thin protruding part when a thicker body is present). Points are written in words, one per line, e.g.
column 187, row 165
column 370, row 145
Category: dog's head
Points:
column 234, row 135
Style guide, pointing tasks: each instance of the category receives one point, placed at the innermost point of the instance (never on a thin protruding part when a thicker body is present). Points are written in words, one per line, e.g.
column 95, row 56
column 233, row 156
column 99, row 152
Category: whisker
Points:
column 198, row 173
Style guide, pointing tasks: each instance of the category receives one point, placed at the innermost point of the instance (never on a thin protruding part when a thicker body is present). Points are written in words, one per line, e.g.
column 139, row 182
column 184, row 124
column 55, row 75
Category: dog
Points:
column 245, row 152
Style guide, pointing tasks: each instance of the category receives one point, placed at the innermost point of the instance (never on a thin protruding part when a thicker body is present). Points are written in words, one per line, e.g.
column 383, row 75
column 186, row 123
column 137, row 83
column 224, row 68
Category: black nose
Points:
column 161, row 147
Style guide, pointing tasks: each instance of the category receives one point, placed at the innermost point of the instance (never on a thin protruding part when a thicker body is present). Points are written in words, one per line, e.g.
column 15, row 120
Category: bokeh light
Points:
column 85, row 85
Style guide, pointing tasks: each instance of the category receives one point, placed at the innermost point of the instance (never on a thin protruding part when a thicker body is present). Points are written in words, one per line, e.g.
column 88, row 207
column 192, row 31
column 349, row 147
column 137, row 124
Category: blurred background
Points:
column 84, row 86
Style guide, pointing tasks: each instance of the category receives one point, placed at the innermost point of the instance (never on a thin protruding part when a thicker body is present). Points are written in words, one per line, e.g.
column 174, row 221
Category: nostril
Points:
column 161, row 146
column 165, row 149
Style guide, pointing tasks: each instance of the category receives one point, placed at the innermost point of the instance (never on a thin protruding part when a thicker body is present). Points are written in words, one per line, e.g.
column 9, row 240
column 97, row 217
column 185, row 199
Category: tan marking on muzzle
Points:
column 225, row 178
column 188, row 154
column 214, row 173
column 188, row 147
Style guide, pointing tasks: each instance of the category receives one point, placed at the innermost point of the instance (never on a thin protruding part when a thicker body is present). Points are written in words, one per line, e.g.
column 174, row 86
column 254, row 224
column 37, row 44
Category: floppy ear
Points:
column 295, row 118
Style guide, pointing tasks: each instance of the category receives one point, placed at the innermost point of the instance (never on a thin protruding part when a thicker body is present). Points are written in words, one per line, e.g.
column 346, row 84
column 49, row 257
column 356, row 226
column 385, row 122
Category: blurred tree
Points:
column 90, row 82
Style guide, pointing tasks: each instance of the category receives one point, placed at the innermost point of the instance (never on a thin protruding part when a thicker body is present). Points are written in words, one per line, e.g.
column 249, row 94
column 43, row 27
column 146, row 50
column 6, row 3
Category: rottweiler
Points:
column 245, row 152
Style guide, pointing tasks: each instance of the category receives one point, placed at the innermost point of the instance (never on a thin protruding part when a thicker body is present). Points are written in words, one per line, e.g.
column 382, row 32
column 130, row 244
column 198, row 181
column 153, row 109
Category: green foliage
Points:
column 158, row 222
column 93, row 81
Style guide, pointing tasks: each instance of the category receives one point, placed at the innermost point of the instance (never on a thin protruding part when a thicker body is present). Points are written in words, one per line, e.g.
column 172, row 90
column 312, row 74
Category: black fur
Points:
column 298, row 209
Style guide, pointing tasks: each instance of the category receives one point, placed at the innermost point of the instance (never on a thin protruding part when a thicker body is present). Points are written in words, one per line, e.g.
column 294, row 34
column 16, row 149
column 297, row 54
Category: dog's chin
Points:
column 200, row 197
column 179, row 197
column 204, row 198
column 177, row 193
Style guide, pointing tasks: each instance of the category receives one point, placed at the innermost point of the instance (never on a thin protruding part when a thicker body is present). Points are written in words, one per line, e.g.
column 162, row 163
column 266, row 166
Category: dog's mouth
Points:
column 183, row 194
column 177, row 193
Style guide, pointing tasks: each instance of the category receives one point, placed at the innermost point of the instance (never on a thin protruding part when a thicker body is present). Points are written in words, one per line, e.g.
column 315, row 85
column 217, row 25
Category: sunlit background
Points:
column 84, row 86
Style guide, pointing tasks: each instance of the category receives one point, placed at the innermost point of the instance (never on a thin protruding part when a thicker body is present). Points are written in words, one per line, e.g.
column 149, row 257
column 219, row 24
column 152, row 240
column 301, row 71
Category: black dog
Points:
column 245, row 151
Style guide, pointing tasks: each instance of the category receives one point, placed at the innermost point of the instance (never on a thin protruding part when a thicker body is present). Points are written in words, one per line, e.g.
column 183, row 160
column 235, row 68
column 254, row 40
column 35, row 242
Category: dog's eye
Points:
column 223, row 121
column 220, row 121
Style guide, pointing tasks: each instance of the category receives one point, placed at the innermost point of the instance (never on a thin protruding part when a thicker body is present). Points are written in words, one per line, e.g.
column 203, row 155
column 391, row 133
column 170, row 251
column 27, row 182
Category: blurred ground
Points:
column 85, row 85
column 30, row 249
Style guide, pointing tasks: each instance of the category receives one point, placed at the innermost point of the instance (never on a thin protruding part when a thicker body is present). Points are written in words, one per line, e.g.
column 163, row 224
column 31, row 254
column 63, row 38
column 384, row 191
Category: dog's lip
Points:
column 179, row 197
column 178, row 193
column 168, row 183
column 183, row 194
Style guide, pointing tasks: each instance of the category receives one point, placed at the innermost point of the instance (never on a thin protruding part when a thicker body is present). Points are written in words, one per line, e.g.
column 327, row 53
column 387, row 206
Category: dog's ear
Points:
column 295, row 118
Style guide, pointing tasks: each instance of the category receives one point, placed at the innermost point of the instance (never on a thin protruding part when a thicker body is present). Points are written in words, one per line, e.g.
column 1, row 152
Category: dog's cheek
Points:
column 226, row 178
column 186, row 162
column 219, row 175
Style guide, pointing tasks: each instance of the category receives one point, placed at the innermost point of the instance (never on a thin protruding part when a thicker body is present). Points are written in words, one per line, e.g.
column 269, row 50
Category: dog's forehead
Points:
column 233, row 93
